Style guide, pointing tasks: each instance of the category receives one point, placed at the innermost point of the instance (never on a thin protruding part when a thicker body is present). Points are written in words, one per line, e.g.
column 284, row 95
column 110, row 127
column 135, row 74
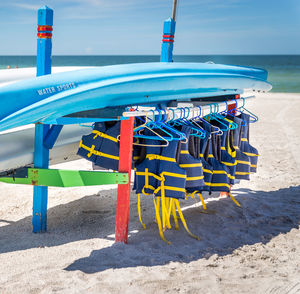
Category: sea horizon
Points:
column 283, row 69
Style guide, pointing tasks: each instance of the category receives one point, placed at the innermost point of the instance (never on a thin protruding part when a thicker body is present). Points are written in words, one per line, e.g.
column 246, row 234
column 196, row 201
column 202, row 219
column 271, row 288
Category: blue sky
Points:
column 107, row 27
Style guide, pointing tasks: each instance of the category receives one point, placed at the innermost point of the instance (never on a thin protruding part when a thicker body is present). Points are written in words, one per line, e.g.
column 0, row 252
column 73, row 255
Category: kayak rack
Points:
column 191, row 110
column 40, row 176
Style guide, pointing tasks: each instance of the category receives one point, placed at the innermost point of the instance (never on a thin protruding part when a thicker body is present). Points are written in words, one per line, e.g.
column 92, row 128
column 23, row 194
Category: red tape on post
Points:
column 44, row 35
column 44, row 28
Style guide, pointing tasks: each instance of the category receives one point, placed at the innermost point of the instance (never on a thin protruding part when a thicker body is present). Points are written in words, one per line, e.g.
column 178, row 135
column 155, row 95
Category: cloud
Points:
column 25, row 6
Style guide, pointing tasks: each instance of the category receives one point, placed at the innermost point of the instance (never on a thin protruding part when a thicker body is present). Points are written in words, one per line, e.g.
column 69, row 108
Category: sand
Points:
column 253, row 249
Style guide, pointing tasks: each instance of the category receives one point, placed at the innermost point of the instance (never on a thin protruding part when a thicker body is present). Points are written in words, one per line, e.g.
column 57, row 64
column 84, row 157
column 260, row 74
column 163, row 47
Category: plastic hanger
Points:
column 216, row 130
column 231, row 125
column 233, row 112
column 213, row 116
column 162, row 122
column 195, row 122
column 152, row 125
column 252, row 115
column 198, row 132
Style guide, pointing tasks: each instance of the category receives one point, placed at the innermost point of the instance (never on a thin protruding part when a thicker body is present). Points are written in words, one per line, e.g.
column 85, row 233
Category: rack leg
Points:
column 123, row 198
column 40, row 194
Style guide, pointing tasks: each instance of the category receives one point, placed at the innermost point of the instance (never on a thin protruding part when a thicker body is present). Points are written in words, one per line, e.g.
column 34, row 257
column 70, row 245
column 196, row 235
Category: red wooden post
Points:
column 123, row 198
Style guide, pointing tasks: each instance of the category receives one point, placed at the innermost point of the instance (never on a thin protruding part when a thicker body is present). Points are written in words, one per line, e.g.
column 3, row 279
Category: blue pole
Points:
column 168, row 40
column 41, row 153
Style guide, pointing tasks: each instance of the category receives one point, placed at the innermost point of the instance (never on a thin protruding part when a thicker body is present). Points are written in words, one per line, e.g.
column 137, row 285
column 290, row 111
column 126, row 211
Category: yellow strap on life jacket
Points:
column 221, row 172
column 250, row 154
column 234, row 200
column 243, row 162
column 201, row 154
column 139, row 210
column 169, row 174
column 169, row 208
column 100, row 134
column 244, row 140
column 223, row 148
column 201, row 198
column 253, row 165
column 163, row 204
column 90, row 149
column 174, row 189
column 184, row 152
column 231, row 123
column 159, row 157
column 210, row 156
column 241, row 173
column 98, row 153
column 174, row 214
column 194, row 178
column 229, row 163
column 183, row 220
column 158, row 219
column 146, row 173
column 190, row 165
column 219, row 185
column 168, row 212
column 207, row 171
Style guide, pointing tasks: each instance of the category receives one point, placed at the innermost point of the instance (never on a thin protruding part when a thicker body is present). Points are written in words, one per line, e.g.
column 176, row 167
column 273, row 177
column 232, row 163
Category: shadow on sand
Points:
column 263, row 215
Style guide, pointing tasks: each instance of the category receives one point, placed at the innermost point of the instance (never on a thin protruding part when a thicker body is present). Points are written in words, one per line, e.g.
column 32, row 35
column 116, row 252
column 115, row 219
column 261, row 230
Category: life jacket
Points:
column 160, row 173
column 226, row 158
column 245, row 146
column 243, row 161
column 102, row 146
column 191, row 165
column 201, row 146
column 147, row 179
column 221, row 174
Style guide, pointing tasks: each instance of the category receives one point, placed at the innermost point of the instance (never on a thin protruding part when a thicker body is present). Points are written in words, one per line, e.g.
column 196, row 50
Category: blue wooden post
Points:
column 167, row 41
column 41, row 153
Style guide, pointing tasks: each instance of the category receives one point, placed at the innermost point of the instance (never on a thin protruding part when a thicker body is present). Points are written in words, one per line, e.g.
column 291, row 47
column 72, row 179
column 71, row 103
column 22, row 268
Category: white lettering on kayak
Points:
column 56, row 89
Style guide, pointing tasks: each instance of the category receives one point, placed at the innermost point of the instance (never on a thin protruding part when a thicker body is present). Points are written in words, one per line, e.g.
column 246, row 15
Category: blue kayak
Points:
column 47, row 98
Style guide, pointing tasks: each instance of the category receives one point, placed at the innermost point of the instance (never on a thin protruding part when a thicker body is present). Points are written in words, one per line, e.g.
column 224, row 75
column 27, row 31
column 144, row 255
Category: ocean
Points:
column 284, row 70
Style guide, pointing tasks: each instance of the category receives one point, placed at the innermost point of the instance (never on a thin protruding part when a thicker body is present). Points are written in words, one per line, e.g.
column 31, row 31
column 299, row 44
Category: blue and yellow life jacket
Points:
column 101, row 146
column 245, row 146
column 227, row 156
column 221, row 174
column 192, row 166
column 160, row 173
column 201, row 146
column 243, row 160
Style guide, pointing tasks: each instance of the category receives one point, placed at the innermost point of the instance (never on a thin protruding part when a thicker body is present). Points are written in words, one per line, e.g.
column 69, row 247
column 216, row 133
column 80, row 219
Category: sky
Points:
column 134, row 27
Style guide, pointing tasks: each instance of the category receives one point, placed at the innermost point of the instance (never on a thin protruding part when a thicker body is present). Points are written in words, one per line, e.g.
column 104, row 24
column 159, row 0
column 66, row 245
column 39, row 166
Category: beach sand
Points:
column 253, row 249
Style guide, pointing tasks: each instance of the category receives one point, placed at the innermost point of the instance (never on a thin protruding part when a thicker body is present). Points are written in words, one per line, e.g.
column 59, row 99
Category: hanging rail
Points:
column 193, row 111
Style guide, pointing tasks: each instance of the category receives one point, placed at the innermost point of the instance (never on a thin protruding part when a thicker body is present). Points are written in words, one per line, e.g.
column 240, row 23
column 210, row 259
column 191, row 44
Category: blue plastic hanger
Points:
column 252, row 115
column 199, row 132
column 213, row 116
column 152, row 125
column 163, row 124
